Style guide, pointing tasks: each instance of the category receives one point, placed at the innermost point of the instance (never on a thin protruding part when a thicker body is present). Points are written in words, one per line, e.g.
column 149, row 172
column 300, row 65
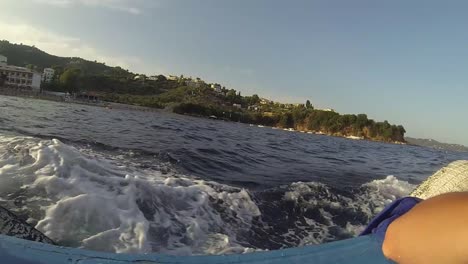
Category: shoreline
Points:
column 120, row 106
column 55, row 98
column 319, row 133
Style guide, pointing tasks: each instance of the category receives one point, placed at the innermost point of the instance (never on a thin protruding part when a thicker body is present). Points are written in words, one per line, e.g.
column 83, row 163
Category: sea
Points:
column 129, row 181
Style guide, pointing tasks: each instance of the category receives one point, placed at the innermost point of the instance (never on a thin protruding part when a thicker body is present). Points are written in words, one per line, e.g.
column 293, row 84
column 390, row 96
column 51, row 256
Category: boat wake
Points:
column 115, row 201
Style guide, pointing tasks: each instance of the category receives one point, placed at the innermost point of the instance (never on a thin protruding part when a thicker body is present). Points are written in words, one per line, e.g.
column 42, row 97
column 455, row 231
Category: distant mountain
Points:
column 85, row 75
column 431, row 143
column 30, row 56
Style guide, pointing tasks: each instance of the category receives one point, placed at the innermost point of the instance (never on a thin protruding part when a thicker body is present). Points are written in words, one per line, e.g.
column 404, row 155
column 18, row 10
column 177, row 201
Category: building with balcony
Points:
column 194, row 83
column 216, row 87
column 20, row 77
column 48, row 75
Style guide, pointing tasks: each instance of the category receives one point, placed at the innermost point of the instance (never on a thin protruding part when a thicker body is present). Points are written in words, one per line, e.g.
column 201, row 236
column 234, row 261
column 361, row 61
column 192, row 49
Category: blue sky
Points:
column 401, row 61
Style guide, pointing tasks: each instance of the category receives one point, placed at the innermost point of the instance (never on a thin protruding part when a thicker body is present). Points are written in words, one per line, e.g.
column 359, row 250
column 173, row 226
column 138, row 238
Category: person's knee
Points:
column 434, row 231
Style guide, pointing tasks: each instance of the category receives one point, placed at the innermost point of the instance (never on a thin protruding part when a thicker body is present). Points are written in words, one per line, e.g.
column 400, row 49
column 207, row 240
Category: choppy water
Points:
column 128, row 181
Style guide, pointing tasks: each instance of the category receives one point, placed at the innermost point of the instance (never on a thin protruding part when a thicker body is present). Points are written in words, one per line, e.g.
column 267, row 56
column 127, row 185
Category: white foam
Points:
column 371, row 198
column 83, row 198
column 93, row 202
column 384, row 191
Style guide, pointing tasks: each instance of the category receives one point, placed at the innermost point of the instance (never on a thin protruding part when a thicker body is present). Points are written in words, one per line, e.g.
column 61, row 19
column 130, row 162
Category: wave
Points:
column 304, row 213
column 113, row 201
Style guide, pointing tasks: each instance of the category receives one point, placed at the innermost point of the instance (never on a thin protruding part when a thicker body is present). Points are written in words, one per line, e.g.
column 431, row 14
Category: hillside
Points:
column 193, row 96
column 24, row 56
column 76, row 74
column 431, row 143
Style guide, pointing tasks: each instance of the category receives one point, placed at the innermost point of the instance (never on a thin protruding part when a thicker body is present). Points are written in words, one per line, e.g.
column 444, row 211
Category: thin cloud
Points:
column 61, row 45
column 128, row 6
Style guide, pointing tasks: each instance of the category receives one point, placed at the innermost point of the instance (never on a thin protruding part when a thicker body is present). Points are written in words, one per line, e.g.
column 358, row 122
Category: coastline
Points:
column 320, row 133
column 55, row 98
column 120, row 106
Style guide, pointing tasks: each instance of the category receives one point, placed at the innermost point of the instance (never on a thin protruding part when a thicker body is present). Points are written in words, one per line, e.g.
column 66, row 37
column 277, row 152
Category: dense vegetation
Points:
column 76, row 75
column 306, row 119
column 79, row 75
column 30, row 56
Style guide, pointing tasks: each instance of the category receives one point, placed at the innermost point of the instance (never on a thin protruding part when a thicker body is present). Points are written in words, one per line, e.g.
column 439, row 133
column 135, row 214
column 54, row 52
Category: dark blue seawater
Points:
column 133, row 181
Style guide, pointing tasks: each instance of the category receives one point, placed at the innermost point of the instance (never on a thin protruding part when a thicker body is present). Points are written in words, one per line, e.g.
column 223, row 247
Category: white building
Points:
column 153, row 78
column 237, row 106
column 216, row 87
column 253, row 107
column 264, row 101
column 139, row 78
column 48, row 75
column 172, row 77
column 194, row 83
column 20, row 77
column 3, row 59
column 36, row 81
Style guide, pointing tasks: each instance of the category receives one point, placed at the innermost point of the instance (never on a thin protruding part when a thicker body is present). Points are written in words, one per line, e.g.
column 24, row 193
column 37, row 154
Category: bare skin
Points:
column 434, row 231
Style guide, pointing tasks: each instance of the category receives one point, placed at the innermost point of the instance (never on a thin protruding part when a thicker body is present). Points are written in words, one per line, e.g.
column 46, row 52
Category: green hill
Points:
column 24, row 56
column 431, row 143
column 80, row 75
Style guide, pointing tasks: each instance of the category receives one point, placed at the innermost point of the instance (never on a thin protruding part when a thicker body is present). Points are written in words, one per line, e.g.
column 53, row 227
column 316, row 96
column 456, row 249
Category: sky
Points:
column 405, row 61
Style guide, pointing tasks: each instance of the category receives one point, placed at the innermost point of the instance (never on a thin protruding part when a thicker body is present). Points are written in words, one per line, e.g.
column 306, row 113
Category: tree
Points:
column 31, row 67
column 401, row 129
column 309, row 105
column 70, row 80
column 231, row 95
column 299, row 114
column 234, row 97
column 255, row 99
column 361, row 121
column 251, row 100
column 286, row 121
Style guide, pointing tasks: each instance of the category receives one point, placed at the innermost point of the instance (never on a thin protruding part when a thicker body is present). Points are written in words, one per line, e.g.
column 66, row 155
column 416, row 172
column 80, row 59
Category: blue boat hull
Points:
column 366, row 249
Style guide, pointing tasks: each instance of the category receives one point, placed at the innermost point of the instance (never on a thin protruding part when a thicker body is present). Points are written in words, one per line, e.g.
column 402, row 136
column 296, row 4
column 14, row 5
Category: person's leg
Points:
column 433, row 231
